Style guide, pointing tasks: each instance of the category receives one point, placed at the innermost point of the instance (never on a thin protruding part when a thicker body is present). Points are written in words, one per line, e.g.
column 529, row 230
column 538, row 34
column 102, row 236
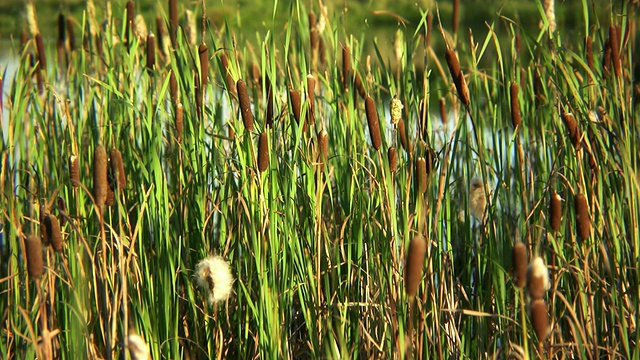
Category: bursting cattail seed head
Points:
column 396, row 110
column 213, row 274
column 539, row 319
column 263, row 152
column 477, row 199
column 414, row 264
column 138, row 348
column 35, row 259
column 583, row 223
column 245, row 105
column 537, row 278
column 100, row 176
column 374, row 125
column 516, row 116
column 519, row 258
column 555, row 211
column 74, row 171
column 392, row 158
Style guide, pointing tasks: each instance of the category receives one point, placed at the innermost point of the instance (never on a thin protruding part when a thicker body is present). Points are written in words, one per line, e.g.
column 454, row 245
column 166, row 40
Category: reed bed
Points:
column 260, row 219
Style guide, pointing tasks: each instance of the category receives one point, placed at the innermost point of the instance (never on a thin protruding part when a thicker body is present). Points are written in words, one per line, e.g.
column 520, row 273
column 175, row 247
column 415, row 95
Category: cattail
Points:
column 606, row 58
column 199, row 94
column 402, row 131
column 572, row 127
column 346, row 66
column 311, row 96
column 614, row 37
column 427, row 40
column 430, row 159
column 323, row 145
column 537, row 278
column 173, row 87
column 456, row 15
column 458, row 77
column 396, row 110
column 263, row 152
column 45, row 232
column 117, row 167
column 589, row 50
column 62, row 38
column 35, row 260
column 130, row 18
column 269, row 120
column 179, row 121
column 100, row 176
column 357, row 82
column 245, row 105
column 30, row 16
column 54, row 233
column 74, row 171
column 322, row 52
column 231, row 134
column 42, row 58
column 203, row 52
column 550, row 13
column 40, row 78
column 313, row 31
column 414, row 264
column 519, row 258
column 214, row 275
column 296, row 103
column 517, row 43
column 151, row 52
column 392, row 158
column 555, row 211
column 138, row 348
column 443, row 110
column 583, row 223
column 173, row 21
column 539, row 319
column 421, row 174
column 538, row 88
column 374, row 125
column 477, row 199
column 516, row 117
column 62, row 210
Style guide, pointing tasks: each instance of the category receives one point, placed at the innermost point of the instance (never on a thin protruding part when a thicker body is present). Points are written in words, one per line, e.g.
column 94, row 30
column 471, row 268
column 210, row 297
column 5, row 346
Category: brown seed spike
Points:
column 71, row 34
column 614, row 37
column 583, row 223
column 359, row 86
column 443, row 111
column 44, row 226
column 35, row 259
column 540, row 319
column 62, row 210
column 173, row 87
column 74, row 171
column 323, row 145
column 179, row 121
column 203, row 52
column 456, row 15
column 555, row 211
column 374, row 124
column 516, row 116
column 173, row 20
column 402, row 131
column 311, row 96
column 245, row 105
column 296, row 103
column 346, row 66
column 458, row 77
column 572, row 126
column 519, row 258
column 313, row 32
column 55, row 235
column 41, row 54
column 414, row 265
column 589, row 49
column 151, row 52
column 263, row 152
column 421, row 174
column 100, row 176
column 393, row 159
column 117, row 167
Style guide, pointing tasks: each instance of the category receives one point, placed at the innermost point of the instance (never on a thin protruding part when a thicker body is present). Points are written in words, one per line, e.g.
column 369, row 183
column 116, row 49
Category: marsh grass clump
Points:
column 414, row 264
column 519, row 260
column 374, row 124
column 100, row 183
column 583, row 222
column 213, row 274
column 35, row 259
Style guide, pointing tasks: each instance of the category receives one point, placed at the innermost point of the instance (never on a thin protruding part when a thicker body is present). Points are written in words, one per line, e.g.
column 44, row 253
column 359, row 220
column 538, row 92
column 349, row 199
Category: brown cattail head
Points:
column 414, row 265
column 589, row 50
column 357, row 82
column 100, row 183
column 392, row 158
column 539, row 319
column 245, row 105
column 44, row 226
column 572, row 126
column 519, row 258
column 374, row 124
column 179, row 121
column 555, row 211
column 197, row 87
column 402, row 131
column 62, row 211
column 117, row 167
column 458, row 77
column 311, row 97
column 443, row 110
column 173, row 87
column 537, row 278
column 456, row 16
column 270, row 113
column 322, row 52
column 62, row 38
column 173, row 20
column 151, row 52
column 129, row 25
column 313, row 31
column 606, row 58
column 71, row 34
column 296, row 103
column 346, row 66
column 421, row 174
column 203, row 52
column 427, row 39
column 583, row 223
column 614, row 38
column 35, row 259
column 74, row 171
column 323, row 145
column 516, row 117
column 263, row 152
column 42, row 58
column 54, row 233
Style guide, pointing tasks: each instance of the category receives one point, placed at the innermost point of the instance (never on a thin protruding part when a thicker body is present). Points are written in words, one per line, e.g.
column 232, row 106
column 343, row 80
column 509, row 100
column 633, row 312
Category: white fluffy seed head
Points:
column 138, row 348
column 213, row 274
column 396, row 110
column 537, row 278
